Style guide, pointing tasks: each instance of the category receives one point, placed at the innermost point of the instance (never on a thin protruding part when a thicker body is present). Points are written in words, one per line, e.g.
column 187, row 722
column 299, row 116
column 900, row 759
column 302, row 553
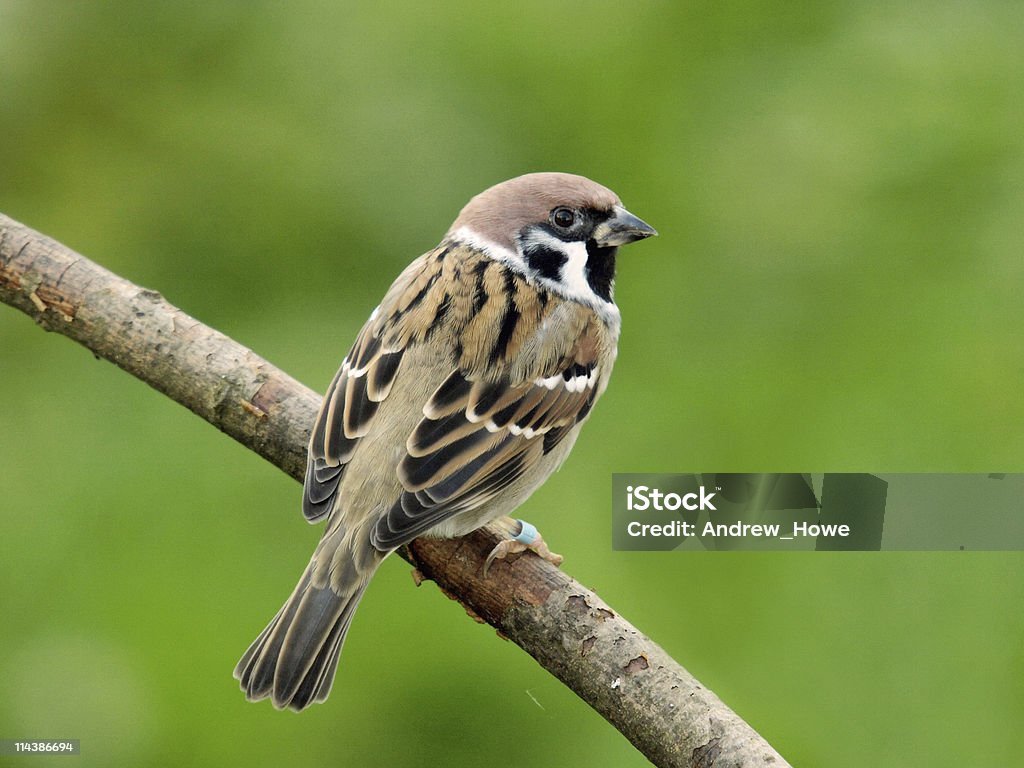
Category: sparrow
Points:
column 463, row 392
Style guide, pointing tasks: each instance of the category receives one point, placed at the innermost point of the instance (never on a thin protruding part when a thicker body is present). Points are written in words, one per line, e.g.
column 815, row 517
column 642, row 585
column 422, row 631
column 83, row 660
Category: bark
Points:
column 568, row 629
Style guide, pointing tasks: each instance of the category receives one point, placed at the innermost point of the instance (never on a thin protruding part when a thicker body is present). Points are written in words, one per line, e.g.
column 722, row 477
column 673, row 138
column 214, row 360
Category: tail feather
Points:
column 294, row 659
column 316, row 685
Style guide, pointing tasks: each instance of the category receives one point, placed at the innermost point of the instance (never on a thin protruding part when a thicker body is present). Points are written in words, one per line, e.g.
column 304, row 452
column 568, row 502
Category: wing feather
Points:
column 381, row 376
column 415, row 513
column 449, row 397
column 347, row 412
column 476, row 439
column 509, row 381
column 359, row 408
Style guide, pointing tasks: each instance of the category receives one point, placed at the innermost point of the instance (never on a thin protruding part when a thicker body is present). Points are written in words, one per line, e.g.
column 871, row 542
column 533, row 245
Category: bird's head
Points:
column 560, row 230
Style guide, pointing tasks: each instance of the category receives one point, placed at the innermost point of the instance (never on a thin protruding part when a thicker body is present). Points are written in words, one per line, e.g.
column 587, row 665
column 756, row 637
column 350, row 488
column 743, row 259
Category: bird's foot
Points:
column 527, row 538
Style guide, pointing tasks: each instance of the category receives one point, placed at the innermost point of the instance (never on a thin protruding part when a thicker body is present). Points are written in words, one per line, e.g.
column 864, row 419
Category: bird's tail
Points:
column 294, row 659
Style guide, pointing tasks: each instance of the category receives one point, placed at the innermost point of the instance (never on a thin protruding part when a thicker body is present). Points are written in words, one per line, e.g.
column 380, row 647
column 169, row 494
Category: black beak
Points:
column 621, row 228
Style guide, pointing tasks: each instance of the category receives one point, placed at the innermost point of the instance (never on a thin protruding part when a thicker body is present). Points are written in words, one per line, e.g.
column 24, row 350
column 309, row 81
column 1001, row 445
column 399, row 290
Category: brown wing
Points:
column 360, row 386
column 366, row 377
column 477, row 438
column 480, row 432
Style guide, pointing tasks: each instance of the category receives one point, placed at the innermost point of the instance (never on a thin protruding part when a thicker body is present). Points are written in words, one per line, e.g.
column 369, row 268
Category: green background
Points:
column 839, row 189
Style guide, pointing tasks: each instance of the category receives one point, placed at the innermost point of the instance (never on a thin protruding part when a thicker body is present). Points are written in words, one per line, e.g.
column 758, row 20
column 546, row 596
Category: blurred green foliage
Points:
column 839, row 189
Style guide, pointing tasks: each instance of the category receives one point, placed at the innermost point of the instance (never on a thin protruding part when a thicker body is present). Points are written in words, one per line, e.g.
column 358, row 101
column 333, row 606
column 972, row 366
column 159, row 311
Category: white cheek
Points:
column 572, row 279
column 574, row 271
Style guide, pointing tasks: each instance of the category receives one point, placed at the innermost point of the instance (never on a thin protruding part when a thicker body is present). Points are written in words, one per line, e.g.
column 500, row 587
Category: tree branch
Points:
column 612, row 666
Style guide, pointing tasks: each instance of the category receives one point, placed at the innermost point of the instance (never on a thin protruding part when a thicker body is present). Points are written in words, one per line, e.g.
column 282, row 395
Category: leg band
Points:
column 527, row 533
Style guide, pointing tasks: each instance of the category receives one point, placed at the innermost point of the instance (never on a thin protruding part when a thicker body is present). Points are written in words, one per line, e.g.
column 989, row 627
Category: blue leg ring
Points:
column 527, row 533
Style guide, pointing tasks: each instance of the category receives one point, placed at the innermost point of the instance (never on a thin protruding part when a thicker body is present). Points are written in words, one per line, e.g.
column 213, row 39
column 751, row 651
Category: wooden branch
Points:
column 612, row 666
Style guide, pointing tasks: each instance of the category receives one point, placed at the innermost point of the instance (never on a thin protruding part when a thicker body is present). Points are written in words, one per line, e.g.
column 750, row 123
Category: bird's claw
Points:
column 528, row 538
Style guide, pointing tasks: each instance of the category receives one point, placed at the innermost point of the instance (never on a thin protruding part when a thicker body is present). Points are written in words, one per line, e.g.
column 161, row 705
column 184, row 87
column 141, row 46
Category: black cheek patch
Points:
column 601, row 269
column 546, row 262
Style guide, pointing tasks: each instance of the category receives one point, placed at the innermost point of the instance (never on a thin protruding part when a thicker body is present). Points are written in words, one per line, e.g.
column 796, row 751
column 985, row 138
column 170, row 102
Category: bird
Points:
column 465, row 389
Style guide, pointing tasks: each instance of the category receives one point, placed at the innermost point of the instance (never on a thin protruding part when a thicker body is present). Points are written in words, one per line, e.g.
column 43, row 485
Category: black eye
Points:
column 563, row 218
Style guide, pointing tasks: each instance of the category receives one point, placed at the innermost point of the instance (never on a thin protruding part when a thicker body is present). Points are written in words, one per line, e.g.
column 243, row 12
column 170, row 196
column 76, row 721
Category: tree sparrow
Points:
column 463, row 392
